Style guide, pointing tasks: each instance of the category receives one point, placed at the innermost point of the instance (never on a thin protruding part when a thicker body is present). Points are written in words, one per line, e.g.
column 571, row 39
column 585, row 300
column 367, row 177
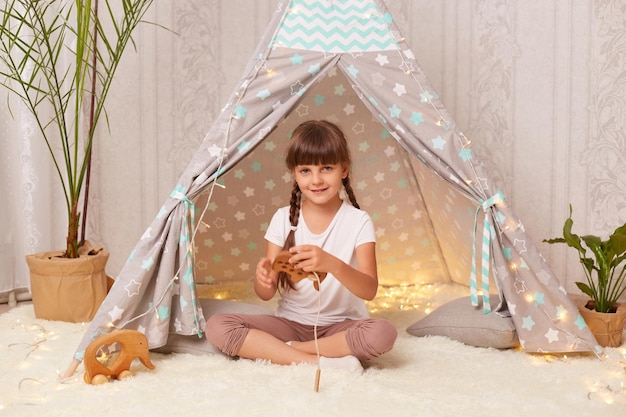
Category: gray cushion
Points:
column 460, row 321
column 177, row 343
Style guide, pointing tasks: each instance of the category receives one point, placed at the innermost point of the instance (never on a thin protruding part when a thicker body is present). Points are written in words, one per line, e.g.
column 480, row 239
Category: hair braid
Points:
column 284, row 282
column 350, row 192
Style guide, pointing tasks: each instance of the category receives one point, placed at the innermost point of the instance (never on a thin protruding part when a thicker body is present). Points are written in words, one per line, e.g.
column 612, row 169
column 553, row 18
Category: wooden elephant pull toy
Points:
column 133, row 344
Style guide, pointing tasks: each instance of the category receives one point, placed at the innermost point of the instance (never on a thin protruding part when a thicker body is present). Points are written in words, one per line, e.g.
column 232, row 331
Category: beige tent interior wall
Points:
column 537, row 84
column 421, row 238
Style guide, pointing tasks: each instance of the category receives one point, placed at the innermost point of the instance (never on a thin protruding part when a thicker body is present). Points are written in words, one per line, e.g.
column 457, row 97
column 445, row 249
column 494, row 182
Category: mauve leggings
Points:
column 367, row 338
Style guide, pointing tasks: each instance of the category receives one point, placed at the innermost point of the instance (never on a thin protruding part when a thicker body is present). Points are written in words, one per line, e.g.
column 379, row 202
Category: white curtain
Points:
column 30, row 221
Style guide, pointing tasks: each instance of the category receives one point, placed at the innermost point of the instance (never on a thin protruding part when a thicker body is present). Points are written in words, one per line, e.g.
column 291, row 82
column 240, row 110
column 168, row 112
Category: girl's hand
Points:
column 264, row 275
column 312, row 258
column 361, row 281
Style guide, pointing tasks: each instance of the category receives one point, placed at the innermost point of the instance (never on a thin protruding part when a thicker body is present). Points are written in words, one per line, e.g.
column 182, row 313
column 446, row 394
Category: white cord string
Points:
column 317, row 349
column 319, row 308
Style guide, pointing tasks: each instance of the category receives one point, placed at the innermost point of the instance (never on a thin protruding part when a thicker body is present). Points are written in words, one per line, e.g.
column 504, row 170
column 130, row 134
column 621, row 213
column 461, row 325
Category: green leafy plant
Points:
column 604, row 268
column 66, row 96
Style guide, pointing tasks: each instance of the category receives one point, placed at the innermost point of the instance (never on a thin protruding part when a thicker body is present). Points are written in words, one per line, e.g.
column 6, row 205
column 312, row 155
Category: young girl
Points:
column 323, row 234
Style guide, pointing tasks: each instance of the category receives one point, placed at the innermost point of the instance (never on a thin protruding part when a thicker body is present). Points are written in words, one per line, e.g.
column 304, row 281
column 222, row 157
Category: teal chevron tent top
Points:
column 438, row 215
column 339, row 26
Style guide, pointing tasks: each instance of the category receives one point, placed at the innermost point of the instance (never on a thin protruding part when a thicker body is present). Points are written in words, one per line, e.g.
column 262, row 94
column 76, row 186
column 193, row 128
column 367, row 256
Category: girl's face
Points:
column 320, row 184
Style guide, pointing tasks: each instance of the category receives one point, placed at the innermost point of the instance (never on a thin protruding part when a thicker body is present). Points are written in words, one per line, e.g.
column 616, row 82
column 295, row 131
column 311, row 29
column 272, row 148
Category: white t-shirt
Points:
column 349, row 229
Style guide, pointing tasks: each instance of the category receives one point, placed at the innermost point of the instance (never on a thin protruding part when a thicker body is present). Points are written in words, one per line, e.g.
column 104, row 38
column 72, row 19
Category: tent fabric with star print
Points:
column 438, row 215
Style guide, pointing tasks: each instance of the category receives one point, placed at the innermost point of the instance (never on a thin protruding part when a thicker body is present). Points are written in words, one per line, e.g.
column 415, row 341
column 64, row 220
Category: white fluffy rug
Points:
column 421, row 377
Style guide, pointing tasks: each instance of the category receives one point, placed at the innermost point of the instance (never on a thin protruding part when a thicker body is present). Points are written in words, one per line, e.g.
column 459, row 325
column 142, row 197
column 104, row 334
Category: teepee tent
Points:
column 437, row 214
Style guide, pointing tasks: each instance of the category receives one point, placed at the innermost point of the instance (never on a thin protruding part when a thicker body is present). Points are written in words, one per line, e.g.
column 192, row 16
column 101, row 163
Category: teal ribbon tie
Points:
column 486, row 253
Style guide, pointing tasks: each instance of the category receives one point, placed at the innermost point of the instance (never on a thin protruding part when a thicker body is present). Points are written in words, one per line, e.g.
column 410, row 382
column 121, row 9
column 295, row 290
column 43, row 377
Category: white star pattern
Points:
column 132, row 288
column 116, row 313
column 215, row 150
column 382, row 60
column 399, row 89
column 296, row 88
column 520, row 245
column 358, row 128
column 302, row 110
column 232, row 200
column 259, row 210
column 552, row 335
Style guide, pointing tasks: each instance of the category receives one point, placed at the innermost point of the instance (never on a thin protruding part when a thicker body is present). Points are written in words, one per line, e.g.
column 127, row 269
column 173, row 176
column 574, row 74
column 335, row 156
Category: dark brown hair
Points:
column 314, row 142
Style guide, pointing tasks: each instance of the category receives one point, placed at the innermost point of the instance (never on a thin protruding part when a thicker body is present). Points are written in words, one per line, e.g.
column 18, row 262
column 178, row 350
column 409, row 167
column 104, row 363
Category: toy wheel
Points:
column 125, row 374
column 99, row 379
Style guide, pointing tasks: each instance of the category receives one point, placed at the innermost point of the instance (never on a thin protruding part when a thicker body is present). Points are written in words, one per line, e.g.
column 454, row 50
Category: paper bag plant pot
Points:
column 66, row 289
column 606, row 327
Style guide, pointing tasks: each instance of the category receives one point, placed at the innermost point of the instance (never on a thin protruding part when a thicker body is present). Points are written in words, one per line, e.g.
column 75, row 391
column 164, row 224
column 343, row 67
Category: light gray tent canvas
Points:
column 437, row 213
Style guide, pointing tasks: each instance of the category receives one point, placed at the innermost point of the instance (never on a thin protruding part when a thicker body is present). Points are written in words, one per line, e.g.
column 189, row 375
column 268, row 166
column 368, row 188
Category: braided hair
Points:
column 314, row 142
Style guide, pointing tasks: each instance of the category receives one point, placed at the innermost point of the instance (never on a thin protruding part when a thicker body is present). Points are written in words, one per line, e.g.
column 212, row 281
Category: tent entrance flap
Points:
column 415, row 245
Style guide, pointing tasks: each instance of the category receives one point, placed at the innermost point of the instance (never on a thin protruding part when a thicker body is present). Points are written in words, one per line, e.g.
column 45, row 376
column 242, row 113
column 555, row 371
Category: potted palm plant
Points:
column 605, row 270
column 59, row 59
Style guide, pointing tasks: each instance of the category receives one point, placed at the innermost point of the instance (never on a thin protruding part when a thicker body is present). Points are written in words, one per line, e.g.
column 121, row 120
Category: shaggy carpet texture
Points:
column 429, row 376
